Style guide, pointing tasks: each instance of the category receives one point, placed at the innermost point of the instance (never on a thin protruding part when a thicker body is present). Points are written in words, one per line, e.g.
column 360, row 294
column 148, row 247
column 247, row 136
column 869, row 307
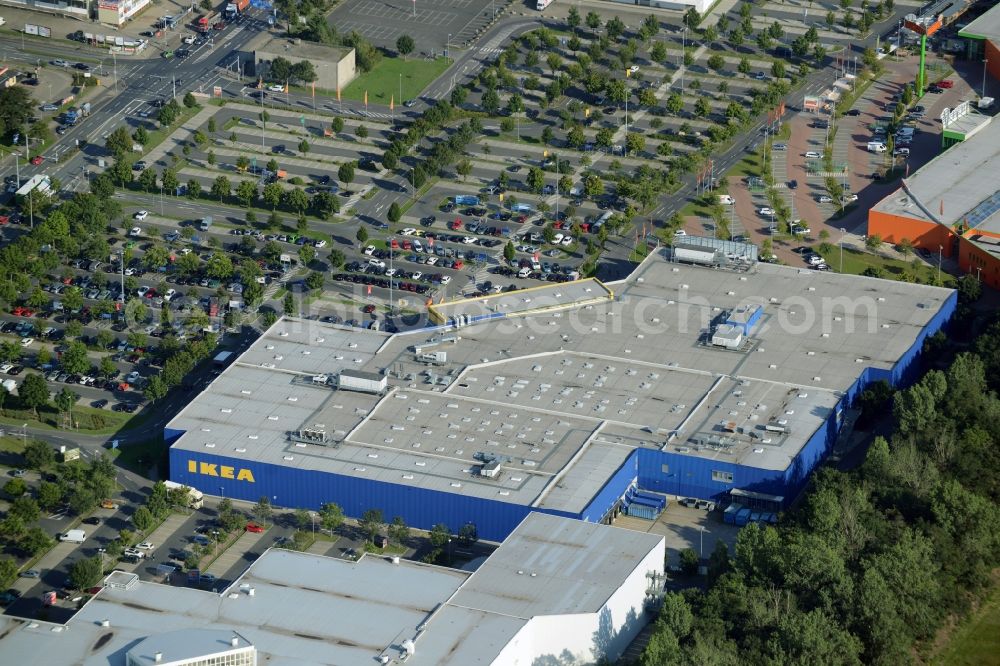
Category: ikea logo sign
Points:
column 221, row 471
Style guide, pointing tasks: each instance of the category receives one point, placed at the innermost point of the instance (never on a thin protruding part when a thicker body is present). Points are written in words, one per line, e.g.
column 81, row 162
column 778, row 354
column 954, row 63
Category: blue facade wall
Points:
column 293, row 487
column 678, row 474
column 612, row 491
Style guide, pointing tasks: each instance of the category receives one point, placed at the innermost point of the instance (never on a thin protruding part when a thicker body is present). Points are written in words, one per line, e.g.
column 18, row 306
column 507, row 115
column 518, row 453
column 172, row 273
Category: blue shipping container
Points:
column 642, row 511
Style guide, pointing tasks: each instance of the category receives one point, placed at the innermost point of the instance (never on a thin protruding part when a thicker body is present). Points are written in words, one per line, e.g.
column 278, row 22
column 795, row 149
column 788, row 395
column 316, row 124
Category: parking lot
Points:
column 428, row 22
column 685, row 527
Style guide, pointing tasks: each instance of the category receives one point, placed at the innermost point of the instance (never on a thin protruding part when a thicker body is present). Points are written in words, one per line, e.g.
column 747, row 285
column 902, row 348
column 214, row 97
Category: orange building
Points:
column 951, row 206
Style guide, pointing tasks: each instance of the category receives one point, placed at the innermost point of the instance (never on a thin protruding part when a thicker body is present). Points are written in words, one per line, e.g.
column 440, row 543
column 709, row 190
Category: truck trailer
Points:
column 195, row 498
column 234, row 9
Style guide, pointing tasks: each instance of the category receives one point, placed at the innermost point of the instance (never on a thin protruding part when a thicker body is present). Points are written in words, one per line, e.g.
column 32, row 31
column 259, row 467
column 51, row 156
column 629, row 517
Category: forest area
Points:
column 874, row 561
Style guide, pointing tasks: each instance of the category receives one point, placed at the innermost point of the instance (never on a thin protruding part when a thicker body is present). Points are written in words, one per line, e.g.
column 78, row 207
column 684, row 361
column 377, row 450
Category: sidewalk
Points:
column 236, row 552
column 174, row 142
column 49, row 561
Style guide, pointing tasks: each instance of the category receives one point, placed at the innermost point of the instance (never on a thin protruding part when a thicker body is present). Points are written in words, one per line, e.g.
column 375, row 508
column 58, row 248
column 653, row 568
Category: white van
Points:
column 524, row 272
column 726, row 200
column 876, row 147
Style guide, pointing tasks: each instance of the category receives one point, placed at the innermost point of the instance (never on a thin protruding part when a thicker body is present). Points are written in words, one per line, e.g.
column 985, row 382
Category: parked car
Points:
column 254, row 527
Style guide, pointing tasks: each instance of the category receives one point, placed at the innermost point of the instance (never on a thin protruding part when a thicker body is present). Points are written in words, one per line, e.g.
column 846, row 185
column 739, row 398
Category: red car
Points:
column 947, row 83
column 4, row 219
column 254, row 527
column 368, row 309
column 37, row 159
column 221, row 25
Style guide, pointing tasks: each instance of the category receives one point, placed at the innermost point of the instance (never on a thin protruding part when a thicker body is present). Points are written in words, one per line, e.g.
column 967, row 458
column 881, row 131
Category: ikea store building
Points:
column 580, row 400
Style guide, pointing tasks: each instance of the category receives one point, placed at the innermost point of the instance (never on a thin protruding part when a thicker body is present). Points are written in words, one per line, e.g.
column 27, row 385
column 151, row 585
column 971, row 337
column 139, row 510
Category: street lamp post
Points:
column 940, row 251
column 985, row 61
column 842, row 232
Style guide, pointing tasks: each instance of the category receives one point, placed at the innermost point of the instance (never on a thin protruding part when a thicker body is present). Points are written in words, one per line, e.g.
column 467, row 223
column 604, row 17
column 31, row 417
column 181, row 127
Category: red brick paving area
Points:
column 925, row 147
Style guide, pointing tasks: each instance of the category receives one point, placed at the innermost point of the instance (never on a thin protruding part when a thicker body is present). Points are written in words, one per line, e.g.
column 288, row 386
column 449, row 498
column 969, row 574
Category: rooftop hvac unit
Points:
column 490, row 470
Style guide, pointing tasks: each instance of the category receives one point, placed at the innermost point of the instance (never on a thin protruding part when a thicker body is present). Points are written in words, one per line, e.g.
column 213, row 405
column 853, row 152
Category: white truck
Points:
column 74, row 536
column 195, row 497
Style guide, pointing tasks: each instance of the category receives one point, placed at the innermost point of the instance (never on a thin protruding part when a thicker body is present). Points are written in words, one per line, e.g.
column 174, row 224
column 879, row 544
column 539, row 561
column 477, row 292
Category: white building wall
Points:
column 588, row 637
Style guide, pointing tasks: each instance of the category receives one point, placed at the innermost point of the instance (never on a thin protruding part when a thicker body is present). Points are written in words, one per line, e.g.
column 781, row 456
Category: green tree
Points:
column 692, row 18
column 536, row 180
column 38, row 454
column 346, row 173
column 744, row 66
column 85, row 573
column 405, row 45
column 331, row 516
column 34, row 392
column 147, row 180
column 221, row 187
column 635, row 143
column 262, row 510
column 189, row 101
column 399, row 531
column 491, row 102
column 716, row 62
column 689, row 561
column 8, row 571
column 15, row 487
column 119, row 142
column 371, row 522
column 675, row 103
column 143, row 519
column 303, row 146
column 395, row 212
column 246, row 192
column 65, row 400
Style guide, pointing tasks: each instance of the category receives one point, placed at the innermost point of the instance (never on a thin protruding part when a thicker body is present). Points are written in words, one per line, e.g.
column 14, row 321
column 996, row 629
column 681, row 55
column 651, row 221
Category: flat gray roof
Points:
column 987, row 26
column 553, row 566
column 561, row 397
column 186, row 644
column 951, row 186
column 307, row 609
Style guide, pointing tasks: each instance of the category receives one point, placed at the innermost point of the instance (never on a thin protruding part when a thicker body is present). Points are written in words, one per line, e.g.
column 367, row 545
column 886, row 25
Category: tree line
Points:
column 877, row 558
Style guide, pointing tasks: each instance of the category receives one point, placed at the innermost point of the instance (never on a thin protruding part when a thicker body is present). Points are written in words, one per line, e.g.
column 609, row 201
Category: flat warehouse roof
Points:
column 298, row 608
column 561, row 397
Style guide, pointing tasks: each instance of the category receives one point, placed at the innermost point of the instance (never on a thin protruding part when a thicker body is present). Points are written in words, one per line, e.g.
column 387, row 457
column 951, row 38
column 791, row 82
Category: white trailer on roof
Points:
column 363, row 382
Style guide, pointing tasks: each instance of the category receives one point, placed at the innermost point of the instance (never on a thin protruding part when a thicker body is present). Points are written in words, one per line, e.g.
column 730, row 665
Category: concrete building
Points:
column 951, row 206
column 334, row 66
column 555, row 587
column 564, row 399
column 107, row 12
